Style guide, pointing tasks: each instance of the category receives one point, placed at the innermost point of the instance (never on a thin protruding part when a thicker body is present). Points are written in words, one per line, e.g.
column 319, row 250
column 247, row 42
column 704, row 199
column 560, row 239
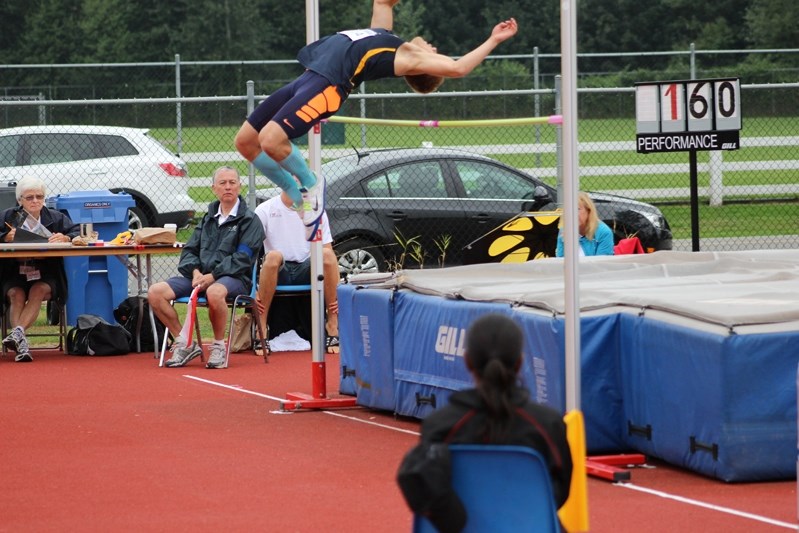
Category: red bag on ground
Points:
column 631, row 245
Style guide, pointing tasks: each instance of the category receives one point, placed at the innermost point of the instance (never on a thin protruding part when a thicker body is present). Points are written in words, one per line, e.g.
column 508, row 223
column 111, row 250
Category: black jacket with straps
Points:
column 226, row 250
column 55, row 222
column 537, row 426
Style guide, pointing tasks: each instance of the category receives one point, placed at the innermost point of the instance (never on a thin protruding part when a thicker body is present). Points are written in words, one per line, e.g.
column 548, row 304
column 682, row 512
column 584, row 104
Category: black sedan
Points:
column 400, row 208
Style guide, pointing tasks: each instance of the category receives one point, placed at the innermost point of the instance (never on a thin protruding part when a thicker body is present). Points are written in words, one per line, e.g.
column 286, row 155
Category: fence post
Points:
column 559, row 140
column 693, row 61
column 250, row 167
column 178, row 109
column 716, row 173
column 362, row 90
column 537, row 100
column 42, row 112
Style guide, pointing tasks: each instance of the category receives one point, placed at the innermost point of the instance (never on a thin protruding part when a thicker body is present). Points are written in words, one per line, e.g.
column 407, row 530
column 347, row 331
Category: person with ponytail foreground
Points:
column 498, row 410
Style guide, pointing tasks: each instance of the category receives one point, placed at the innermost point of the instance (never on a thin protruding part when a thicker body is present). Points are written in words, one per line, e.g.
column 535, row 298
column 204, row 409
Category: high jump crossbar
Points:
column 552, row 119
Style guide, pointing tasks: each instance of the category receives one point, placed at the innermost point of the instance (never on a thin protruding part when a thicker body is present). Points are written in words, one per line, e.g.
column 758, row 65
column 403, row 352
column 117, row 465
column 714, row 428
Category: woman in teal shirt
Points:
column 596, row 238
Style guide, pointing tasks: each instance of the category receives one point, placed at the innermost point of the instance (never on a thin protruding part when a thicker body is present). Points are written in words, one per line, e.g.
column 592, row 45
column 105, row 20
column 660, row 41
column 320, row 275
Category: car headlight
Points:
column 656, row 219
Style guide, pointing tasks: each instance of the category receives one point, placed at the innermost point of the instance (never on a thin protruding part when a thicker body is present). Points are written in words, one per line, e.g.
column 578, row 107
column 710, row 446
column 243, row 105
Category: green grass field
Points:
column 660, row 171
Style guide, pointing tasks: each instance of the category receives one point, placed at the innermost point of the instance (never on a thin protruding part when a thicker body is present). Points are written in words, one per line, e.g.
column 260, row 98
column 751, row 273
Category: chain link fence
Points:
column 395, row 186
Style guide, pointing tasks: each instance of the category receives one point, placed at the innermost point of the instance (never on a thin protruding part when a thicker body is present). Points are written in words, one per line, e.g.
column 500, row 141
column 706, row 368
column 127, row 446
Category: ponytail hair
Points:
column 494, row 354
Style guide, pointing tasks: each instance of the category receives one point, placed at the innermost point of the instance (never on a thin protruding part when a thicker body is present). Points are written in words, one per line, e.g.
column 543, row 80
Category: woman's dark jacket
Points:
column 56, row 222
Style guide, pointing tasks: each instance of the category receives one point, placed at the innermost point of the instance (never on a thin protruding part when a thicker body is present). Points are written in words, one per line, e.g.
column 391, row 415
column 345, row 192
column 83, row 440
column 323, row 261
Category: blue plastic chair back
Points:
column 503, row 488
column 292, row 288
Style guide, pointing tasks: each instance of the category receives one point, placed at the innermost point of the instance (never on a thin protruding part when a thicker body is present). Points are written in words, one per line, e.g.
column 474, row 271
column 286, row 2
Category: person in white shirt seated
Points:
column 287, row 260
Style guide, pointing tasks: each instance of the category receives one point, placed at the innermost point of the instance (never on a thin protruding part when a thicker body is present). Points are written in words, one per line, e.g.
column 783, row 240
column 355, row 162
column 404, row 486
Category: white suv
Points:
column 85, row 158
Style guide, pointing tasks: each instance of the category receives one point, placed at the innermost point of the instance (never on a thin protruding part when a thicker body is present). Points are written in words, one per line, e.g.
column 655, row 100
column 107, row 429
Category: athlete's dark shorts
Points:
column 293, row 273
column 182, row 286
column 299, row 105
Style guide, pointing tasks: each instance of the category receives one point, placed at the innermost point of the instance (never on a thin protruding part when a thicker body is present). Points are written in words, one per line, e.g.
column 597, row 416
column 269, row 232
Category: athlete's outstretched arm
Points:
column 418, row 57
column 383, row 14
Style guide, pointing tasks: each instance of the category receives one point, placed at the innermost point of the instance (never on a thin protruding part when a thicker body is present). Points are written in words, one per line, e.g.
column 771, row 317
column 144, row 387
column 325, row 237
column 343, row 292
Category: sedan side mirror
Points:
column 541, row 197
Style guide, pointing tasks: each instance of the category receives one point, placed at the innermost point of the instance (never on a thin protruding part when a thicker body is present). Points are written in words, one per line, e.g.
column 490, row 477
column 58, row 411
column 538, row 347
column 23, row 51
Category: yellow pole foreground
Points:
column 574, row 513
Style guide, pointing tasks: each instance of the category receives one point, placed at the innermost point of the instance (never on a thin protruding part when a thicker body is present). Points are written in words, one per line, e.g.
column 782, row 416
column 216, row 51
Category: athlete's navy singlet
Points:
column 349, row 57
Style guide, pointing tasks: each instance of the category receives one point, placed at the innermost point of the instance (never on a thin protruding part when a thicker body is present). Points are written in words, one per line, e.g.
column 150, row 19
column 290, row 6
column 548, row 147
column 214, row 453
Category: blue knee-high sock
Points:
column 279, row 176
column 296, row 165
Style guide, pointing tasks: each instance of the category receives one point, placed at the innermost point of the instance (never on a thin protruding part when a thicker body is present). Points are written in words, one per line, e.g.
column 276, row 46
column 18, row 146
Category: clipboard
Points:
column 25, row 236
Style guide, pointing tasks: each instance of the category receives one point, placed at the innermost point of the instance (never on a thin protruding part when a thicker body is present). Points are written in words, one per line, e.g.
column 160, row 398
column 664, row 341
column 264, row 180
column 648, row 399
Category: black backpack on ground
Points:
column 127, row 314
column 94, row 336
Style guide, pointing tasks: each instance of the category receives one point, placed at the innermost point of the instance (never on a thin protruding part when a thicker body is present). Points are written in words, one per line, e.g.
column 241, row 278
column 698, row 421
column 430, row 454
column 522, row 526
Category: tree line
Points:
column 77, row 31
column 121, row 31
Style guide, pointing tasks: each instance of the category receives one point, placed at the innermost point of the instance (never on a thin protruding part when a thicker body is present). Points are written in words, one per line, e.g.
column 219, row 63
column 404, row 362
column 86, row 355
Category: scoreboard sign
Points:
column 679, row 116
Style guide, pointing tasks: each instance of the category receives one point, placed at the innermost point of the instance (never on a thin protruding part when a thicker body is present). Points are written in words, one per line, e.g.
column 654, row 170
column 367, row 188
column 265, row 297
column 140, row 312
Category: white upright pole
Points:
column 317, row 264
column 318, row 398
column 571, row 186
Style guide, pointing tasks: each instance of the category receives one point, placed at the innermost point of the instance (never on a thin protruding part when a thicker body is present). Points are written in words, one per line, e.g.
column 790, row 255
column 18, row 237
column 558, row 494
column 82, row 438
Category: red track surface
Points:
column 118, row 444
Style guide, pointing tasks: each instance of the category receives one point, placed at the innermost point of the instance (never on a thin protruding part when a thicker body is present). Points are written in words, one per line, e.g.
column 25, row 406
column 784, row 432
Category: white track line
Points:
column 268, row 397
column 233, row 387
column 718, row 508
column 629, row 486
column 362, row 421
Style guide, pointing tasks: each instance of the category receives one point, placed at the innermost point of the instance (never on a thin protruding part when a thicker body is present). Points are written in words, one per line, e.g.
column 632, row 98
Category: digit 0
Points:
column 726, row 99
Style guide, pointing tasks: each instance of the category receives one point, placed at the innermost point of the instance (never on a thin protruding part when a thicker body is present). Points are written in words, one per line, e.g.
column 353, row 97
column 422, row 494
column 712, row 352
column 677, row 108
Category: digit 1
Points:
column 672, row 92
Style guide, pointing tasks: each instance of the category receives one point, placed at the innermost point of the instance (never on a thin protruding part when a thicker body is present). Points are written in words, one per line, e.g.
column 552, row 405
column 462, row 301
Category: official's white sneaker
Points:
column 217, row 358
column 182, row 354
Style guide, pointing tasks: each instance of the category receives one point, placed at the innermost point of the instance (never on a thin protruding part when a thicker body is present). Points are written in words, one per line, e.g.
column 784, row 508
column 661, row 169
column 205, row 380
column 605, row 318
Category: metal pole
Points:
column 694, row 200
column 178, row 108
column 559, row 138
column 537, row 100
column 362, row 90
column 571, row 186
column 318, row 398
column 317, row 264
column 251, row 196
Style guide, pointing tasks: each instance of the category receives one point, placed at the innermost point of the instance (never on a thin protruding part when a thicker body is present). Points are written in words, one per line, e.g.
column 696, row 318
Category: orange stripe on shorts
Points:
column 328, row 101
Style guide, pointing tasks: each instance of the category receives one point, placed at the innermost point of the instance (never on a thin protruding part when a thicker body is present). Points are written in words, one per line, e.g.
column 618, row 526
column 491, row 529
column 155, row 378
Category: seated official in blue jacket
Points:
column 28, row 282
column 596, row 238
column 218, row 258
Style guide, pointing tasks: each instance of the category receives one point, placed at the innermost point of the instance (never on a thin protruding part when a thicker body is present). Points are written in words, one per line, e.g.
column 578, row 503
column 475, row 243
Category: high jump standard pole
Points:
column 318, row 398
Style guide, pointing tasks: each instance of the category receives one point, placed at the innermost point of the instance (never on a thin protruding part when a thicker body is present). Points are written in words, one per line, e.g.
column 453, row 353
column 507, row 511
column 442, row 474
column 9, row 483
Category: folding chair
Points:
column 60, row 311
column 503, row 488
column 242, row 301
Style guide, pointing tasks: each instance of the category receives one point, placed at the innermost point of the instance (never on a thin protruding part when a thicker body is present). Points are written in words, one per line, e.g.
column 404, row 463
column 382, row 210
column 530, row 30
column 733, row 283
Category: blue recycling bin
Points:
column 8, row 197
column 96, row 284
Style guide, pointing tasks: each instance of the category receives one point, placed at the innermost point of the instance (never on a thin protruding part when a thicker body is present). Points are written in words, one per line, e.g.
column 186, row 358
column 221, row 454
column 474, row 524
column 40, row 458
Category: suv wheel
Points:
column 136, row 219
column 359, row 256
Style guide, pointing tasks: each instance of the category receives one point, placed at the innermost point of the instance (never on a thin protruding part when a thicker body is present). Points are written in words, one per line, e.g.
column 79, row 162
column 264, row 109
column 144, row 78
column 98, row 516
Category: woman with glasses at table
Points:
column 26, row 283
